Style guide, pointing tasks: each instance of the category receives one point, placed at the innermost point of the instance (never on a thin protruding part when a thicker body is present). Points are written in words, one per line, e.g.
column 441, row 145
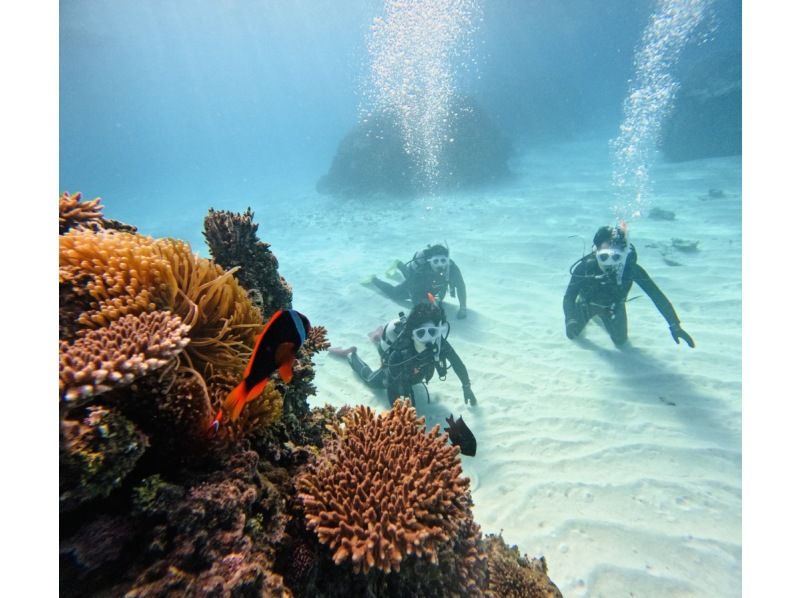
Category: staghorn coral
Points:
column 116, row 355
column 233, row 243
column 512, row 576
column 384, row 490
column 122, row 273
column 74, row 213
column 96, row 453
column 317, row 341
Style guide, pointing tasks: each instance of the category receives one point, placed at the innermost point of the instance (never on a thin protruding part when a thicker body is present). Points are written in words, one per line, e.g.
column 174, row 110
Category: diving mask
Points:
column 439, row 262
column 612, row 260
column 428, row 333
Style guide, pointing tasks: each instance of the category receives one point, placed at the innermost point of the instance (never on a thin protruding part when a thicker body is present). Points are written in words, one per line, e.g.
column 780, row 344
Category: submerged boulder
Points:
column 371, row 159
column 707, row 118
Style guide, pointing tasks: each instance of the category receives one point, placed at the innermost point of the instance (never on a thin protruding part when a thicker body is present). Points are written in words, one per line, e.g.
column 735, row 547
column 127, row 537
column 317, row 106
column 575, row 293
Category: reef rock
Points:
column 371, row 159
column 707, row 118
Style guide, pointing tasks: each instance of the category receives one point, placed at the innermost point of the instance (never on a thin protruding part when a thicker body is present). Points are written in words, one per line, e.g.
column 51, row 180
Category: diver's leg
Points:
column 398, row 293
column 403, row 269
column 617, row 326
column 372, row 379
column 582, row 315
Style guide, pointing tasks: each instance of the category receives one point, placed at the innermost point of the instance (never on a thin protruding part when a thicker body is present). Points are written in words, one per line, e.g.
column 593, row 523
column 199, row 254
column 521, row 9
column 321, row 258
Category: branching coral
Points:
column 118, row 354
column 233, row 243
column 121, row 273
column 96, row 453
column 513, row 576
column 74, row 213
column 384, row 490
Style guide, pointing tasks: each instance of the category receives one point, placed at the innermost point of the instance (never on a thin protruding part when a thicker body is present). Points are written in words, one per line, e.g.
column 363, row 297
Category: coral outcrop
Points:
column 233, row 243
column 384, row 490
column 216, row 540
column 74, row 213
column 115, row 356
column 372, row 160
column 96, row 453
column 515, row 576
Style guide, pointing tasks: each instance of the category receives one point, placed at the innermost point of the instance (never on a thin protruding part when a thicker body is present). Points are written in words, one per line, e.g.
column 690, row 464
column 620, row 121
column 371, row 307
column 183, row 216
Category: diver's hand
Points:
column 469, row 396
column 679, row 333
column 462, row 313
column 572, row 329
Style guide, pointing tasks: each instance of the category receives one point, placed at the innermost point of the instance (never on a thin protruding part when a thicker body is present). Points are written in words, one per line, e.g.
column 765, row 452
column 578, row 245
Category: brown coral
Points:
column 513, row 576
column 122, row 273
column 218, row 539
column 384, row 490
column 74, row 213
column 115, row 356
column 96, row 453
column 233, row 243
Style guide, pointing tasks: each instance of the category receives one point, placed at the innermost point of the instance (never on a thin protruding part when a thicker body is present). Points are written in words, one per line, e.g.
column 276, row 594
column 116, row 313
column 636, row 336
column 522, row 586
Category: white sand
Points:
column 581, row 456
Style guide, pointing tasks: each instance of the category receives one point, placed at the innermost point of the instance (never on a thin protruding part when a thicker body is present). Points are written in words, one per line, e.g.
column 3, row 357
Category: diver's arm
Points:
column 457, row 281
column 458, row 366
column 573, row 288
column 660, row 300
column 461, row 371
column 398, row 380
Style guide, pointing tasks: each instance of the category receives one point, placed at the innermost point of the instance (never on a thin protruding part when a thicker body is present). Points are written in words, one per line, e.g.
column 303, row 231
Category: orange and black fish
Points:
column 276, row 349
column 461, row 436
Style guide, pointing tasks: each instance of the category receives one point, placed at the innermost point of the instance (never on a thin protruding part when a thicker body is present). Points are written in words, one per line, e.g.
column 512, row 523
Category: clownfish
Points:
column 276, row 349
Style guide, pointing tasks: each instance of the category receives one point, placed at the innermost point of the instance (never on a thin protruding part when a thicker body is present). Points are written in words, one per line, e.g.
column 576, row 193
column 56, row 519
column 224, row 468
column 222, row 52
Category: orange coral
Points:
column 73, row 213
column 119, row 273
column 385, row 489
column 115, row 356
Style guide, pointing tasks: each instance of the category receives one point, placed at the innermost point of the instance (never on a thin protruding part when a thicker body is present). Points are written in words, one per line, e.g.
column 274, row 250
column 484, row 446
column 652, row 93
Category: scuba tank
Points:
column 391, row 330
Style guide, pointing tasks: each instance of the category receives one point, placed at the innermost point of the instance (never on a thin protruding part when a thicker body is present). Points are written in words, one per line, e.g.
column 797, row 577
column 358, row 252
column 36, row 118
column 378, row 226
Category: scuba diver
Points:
column 600, row 285
column 411, row 349
column 430, row 271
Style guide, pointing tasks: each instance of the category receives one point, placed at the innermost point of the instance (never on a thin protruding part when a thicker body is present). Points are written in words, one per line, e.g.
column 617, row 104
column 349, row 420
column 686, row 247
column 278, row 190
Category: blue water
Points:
column 169, row 107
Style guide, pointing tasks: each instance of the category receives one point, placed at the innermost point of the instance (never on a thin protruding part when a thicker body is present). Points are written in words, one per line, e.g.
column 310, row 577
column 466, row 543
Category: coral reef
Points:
column 96, row 453
column 120, row 273
column 385, row 490
column 513, row 576
column 288, row 500
column 118, row 354
column 233, row 243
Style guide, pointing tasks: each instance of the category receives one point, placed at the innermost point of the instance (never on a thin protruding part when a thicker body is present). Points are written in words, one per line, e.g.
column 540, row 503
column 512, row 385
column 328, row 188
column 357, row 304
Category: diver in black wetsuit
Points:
column 430, row 271
column 411, row 350
column 600, row 285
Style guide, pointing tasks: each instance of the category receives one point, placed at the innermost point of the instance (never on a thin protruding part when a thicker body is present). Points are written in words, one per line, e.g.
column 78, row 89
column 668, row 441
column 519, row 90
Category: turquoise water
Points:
column 622, row 468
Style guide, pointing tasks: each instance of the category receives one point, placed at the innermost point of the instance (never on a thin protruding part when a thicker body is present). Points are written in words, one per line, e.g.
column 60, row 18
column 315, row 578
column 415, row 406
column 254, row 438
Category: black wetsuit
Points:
column 593, row 293
column 421, row 279
column 402, row 367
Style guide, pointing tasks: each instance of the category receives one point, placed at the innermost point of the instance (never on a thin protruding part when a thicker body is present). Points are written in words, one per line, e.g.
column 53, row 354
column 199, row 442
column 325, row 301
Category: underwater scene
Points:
column 400, row 298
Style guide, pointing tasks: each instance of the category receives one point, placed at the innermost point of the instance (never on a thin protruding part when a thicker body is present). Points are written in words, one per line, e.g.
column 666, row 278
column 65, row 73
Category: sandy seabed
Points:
column 623, row 467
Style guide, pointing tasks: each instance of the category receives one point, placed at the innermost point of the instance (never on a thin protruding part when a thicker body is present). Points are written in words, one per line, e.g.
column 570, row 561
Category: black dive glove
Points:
column 572, row 329
column 679, row 333
column 469, row 396
column 462, row 313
